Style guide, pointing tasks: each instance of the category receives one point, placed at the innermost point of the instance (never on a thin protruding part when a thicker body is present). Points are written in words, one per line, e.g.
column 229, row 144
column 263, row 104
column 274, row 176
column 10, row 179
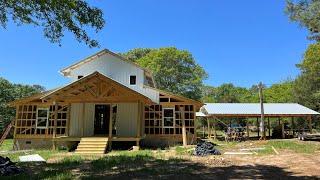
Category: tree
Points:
column 9, row 92
column 307, row 84
column 279, row 92
column 54, row 16
column 306, row 13
column 136, row 53
column 174, row 70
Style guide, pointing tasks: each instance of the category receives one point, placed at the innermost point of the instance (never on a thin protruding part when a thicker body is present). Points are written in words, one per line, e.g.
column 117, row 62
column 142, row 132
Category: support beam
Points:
column 208, row 122
column 139, row 123
column 292, row 124
column 55, row 125
column 68, row 119
column 258, row 127
column 110, row 128
column 184, row 131
column 310, row 123
column 282, row 130
column 269, row 127
column 15, row 128
column 247, row 126
column 215, row 129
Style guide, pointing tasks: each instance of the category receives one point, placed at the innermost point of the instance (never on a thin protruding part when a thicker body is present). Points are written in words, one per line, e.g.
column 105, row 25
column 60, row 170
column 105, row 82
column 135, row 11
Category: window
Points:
column 42, row 118
column 168, row 118
column 80, row 76
column 133, row 80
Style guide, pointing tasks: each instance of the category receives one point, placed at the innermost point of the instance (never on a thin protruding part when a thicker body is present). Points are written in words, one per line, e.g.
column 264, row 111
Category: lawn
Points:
column 173, row 162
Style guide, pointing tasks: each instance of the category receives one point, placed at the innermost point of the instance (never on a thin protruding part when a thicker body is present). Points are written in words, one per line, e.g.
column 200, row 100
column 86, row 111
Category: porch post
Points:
column 258, row 127
column 282, row 129
column 68, row 119
column 15, row 129
column 184, row 131
column 269, row 127
column 139, row 123
column 110, row 128
column 55, row 125
column 215, row 129
column 248, row 132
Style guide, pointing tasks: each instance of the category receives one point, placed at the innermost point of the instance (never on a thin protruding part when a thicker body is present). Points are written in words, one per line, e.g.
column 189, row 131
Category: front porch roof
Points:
column 92, row 88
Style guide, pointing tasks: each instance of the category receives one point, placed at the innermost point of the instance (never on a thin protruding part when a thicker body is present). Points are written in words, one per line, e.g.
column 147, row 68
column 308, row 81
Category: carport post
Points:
column 310, row 125
column 209, row 133
column 247, row 124
column 269, row 126
column 258, row 127
column 215, row 130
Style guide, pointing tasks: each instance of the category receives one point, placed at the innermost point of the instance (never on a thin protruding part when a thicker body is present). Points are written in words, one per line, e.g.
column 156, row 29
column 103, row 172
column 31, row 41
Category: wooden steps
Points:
column 92, row 145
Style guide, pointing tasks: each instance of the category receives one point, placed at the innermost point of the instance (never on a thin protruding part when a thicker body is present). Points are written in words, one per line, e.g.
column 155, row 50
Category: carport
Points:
column 226, row 112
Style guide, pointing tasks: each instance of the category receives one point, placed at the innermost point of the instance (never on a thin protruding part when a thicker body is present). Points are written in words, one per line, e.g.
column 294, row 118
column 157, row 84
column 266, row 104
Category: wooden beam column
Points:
column 310, row 123
column 15, row 147
column 110, row 128
column 292, row 128
column 209, row 133
column 258, row 128
column 247, row 126
column 139, row 123
column 215, row 129
column 282, row 130
column 269, row 127
column 184, row 131
column 55, row 125
column 68, row 119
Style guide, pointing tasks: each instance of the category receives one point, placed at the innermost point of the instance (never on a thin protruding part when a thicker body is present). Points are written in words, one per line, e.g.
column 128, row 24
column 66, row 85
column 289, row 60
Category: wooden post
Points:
column 269, row 127
column 209, row 133
column 55, row 125
column 310, row 123
column 215, row 129
column 184, row 131
column 15, row 129
column 110, row 128
column 68, row 119
column 282, row 129
column 247, row 125
column 139, row 123
column 262, row 112
column 292, row 127
column 258, row 127
column 279, row 121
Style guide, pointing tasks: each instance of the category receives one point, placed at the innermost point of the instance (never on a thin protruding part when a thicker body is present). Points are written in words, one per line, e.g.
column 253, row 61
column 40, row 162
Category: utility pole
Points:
column 262, row 128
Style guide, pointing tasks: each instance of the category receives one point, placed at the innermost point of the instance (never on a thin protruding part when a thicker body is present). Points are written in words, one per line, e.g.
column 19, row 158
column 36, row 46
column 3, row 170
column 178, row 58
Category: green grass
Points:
column 296, row 146
column 7, row 145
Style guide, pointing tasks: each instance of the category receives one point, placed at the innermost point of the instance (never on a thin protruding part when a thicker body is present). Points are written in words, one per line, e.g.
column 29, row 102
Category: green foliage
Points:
column 306, row 13
column 228, row 93
column 55, row 16
column 307, row 84
column 174, row 70
column 10, row 92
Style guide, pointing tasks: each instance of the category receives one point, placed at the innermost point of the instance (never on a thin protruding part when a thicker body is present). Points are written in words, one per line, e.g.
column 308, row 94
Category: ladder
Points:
column 6, row 132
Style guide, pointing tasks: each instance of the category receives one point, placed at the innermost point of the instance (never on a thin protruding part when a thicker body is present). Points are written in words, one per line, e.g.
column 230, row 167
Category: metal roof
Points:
column 254, row 109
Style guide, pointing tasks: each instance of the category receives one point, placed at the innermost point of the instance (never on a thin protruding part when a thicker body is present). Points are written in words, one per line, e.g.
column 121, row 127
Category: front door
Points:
column 101, row 120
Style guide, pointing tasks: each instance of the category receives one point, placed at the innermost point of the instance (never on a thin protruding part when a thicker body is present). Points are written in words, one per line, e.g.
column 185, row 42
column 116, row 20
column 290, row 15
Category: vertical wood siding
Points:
column 127, row 119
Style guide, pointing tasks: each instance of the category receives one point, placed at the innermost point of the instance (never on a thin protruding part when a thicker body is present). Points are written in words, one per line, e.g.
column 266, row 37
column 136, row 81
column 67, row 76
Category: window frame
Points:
column 173, row 118
column 47, row 118
column 135, row 80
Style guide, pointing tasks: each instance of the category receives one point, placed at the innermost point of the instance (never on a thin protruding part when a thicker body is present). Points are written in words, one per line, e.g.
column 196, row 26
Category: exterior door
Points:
column 101, row 120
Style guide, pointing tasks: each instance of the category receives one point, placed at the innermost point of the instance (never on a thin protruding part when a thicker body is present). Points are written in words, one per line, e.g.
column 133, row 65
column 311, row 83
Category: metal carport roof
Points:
column 253, row 109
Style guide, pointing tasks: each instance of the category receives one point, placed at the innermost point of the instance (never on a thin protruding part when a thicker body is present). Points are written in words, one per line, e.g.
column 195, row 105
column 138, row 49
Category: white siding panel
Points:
column 89, row 119
column 117, row 70
column 127, row 119
column 75, row 116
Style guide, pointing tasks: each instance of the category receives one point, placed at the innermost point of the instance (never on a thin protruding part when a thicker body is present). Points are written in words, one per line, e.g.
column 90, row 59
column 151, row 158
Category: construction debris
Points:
column 253, row 149
column 274, row 149
column 8, row 167
column 32, row 158
column 206, row 148
column 238, row 153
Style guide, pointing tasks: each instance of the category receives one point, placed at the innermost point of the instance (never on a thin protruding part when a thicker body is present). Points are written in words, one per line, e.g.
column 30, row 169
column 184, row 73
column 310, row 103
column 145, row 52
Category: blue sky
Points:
column 242, row 42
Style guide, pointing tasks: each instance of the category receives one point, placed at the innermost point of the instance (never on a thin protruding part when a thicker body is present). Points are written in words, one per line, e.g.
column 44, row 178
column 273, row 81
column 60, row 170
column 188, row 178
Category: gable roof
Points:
column 254, row 109
column 48, row 94
column 93, row 57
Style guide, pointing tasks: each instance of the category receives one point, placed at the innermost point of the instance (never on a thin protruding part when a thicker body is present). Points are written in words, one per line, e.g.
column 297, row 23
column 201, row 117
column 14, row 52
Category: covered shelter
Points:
column 219, row 111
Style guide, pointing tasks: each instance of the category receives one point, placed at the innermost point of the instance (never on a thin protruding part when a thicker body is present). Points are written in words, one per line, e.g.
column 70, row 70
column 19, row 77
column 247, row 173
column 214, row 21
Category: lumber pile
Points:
column 8, row 167
column 206, row 148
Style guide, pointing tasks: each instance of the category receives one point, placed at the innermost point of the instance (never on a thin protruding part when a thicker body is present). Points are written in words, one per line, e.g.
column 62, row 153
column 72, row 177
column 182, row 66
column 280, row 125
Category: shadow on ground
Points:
column 148, row 167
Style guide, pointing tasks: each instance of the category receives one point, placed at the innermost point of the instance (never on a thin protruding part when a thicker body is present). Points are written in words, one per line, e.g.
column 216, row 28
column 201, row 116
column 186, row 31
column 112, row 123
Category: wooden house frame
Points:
column 124, row 114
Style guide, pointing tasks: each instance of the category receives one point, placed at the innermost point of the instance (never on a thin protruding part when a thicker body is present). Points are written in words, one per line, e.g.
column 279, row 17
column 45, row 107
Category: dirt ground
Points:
column 168, row 164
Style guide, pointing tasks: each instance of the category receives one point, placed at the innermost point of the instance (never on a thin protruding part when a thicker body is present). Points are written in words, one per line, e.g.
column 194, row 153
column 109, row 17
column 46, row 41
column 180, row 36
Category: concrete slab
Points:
column 31, row 158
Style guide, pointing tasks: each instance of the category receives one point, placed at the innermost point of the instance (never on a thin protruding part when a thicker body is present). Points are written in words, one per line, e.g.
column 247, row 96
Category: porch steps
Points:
column 92, row 145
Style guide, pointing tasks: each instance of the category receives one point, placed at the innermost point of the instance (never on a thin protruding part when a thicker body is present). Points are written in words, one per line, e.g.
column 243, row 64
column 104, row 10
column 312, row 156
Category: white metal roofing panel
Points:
column 254, row 108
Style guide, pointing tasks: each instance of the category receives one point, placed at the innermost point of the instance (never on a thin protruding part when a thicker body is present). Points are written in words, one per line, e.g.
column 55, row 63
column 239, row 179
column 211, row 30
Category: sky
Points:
column 240, row 42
